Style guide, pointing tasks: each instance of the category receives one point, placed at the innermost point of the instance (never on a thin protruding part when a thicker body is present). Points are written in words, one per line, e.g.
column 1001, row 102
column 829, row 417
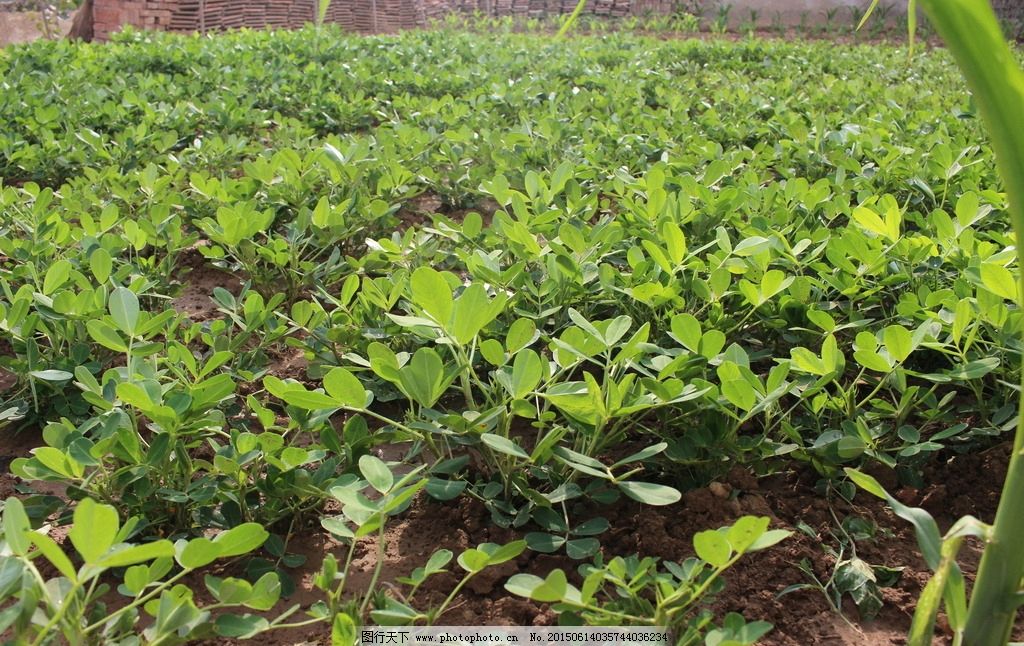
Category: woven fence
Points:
column 355, row 15
column 365, row 15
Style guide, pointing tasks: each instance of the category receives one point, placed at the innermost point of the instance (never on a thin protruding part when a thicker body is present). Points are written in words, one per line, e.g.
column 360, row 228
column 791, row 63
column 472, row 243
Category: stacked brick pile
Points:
column 109, row 16
column 212, row 15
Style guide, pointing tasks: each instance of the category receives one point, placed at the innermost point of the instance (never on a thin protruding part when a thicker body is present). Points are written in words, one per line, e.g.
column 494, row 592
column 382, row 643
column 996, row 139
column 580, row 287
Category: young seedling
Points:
column 619, row 592
column 73, row 606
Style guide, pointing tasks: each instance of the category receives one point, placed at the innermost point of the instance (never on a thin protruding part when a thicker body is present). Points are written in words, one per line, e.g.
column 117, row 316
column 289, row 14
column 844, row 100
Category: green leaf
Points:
column 265, row 592
column 240, row 626
column 751, row 246
column 581, row 548
column 56, row 276
column 821, row 319
column 686, row 330
column 520, row 334
column 94, row 529
column 872, row 360
column 735, row 388
column 551, row 589
column 650, row 493
column 503, row 445
column 106, row 336
column 473, row 560
column 197, row 553
column 310, row 399
column 806, row 361
column 136, row 578
column 394, row 613
column 768, row 539
column 575, row 400
column 437, row 561
column 544, row 543
column 928, row 537
column 874, row 223
column 400, row 499
column 55, row 376
column 773, row 282
column 974, row 369
column 898, row 342
column 742, row 534
column 53, row 553
column 241, row 539
column 383, row 361
column 642, row 454
column 100, row 264
column 999, row 280
column 856, row 578
column 712, row 343
column 424, row 379
column 124, row 309
column 472, row 311
column 527, row 371
column 133, row 554
column 134, row 395
column 850, row 447
column 441, row 489
column 712, row 546
column 431, row 292
column 337, row 525
column 505, row 553
column 57, row 461
column 343, row 630
column 321, row 12
column 345, row 388
column 16, row 526
column 376, row 473
column 585, row 325
column 867, row 13
column 493, row 352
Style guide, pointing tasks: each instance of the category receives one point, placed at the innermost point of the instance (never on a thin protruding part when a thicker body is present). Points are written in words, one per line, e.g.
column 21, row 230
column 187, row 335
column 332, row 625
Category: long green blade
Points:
column 972, row 32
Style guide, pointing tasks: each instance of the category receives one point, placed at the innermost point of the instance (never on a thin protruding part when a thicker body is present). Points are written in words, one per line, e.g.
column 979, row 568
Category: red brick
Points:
column 106, row 13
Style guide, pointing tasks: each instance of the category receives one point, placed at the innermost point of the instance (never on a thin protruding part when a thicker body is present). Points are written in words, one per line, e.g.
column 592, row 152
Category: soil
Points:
column 967, row 484
column 753, row 585
column 200, row 278
column 420, row 211
column 26, row 26
column 15, row 445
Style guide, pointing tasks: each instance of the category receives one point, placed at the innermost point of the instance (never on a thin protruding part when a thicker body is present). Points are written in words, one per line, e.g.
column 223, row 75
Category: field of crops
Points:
column 308, row 331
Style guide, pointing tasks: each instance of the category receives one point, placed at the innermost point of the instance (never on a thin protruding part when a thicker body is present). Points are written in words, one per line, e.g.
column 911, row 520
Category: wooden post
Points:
column 202, row 17
column 373, row 15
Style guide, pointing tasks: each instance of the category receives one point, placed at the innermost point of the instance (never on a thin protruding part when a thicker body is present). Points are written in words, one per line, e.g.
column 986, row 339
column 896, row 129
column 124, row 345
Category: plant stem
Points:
column 138, row 602
column 454, row 593
column 973, row 35
column 297, row 624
